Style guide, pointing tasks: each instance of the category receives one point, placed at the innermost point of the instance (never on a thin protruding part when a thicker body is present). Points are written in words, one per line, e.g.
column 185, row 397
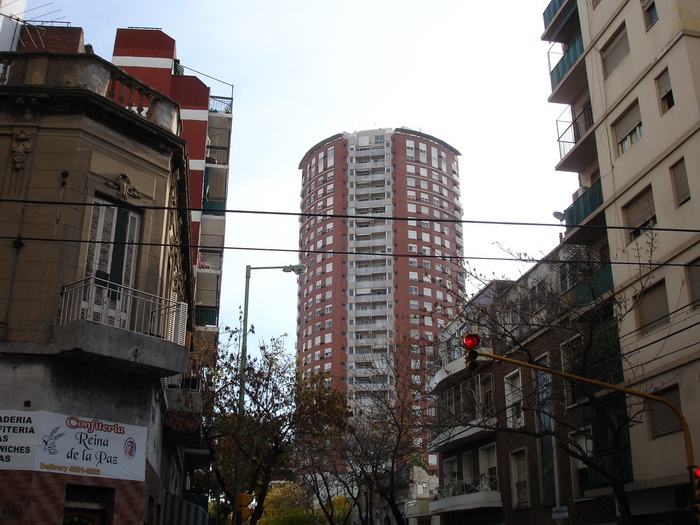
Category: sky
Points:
column 474, row 74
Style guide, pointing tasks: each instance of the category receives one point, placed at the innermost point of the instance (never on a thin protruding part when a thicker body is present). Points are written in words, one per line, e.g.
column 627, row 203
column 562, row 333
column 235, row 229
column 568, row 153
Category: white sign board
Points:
column 560, row 513
column 40, row 440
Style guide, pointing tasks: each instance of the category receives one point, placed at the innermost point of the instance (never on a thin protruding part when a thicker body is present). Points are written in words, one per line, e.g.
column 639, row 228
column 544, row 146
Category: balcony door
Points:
column 110, row 263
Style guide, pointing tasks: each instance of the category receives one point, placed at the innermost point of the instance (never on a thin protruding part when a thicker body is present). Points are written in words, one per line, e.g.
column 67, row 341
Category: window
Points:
column 650, row 13
column 694, row 282
column 663, row 420
column 518, row 476
column 652, row 306
column 514, row 400
column 640, row 213
column 663, row 85
column 679, row 175
column 111, row 258
column 628, row 128
column 615, row 51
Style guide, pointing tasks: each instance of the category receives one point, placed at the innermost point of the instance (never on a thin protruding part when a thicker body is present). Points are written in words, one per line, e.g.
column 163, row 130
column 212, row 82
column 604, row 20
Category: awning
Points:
column 179, row 511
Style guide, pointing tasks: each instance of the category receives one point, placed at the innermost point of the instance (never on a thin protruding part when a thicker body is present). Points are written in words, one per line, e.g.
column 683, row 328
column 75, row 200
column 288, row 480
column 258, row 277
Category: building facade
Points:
column 381, row 237
column 101, row 417
column 629, row 76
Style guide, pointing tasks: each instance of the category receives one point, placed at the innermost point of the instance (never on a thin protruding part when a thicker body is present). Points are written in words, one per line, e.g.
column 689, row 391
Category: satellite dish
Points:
column 558, row 215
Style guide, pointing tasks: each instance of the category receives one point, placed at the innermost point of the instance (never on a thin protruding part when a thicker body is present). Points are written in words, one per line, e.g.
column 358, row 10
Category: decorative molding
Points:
column 21, row 147
column 125, row 190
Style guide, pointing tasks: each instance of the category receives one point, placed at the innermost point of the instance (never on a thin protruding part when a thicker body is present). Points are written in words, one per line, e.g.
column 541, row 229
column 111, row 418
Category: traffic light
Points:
column 695, row 483
column 242, row 502
column 470, row 342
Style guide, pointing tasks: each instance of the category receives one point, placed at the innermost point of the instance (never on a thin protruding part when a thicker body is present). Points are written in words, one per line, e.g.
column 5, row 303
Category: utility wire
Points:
column 356, row 216
column 303, row 253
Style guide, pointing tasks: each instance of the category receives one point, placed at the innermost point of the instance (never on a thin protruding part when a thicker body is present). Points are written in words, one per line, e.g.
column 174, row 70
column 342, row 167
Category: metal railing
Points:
column 571, row 131
column 482, row 483
column 100, row 301
column 220, row 104
column 566, row 62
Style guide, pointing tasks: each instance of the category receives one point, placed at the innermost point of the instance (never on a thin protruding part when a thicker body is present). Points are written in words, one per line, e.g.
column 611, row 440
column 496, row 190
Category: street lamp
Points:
column 297, row 269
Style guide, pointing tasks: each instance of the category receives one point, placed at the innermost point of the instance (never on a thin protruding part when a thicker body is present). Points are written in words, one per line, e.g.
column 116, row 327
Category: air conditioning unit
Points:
column 579, row 192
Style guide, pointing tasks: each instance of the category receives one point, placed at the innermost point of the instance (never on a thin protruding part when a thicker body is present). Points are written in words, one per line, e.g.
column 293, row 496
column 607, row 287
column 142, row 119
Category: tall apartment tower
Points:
column 629, row 76
column 381, row 236
column 150, row 55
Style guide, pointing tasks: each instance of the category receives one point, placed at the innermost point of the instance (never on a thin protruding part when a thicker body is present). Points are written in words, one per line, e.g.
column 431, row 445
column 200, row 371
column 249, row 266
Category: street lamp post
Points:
column 297, row 269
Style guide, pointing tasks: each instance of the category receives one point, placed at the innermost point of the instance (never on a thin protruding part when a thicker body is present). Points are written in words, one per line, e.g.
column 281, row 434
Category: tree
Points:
column 279, row 410
column 381, row 448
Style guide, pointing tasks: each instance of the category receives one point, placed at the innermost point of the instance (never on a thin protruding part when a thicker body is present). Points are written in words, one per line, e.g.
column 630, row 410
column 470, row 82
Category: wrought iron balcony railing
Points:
column 100, row 301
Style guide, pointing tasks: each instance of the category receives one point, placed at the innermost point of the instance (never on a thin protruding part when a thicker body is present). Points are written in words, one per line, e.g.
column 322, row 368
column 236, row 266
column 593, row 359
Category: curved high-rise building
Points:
column 381, row 236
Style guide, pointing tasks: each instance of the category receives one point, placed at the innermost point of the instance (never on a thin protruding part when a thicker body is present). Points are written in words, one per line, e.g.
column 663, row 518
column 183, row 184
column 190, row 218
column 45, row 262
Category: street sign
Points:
column 560, row 513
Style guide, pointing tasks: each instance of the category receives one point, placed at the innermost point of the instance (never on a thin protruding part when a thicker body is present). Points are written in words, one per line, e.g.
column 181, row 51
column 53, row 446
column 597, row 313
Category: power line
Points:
column 302, row 253
column 356, row 216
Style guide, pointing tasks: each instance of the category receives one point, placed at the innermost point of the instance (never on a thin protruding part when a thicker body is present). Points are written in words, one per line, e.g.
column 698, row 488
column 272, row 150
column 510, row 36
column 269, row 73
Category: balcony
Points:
column 589, row 479
column 597, row 284
column 577, row 147
column 476, row 493
column 566, row 62
column 558, row 12
column 206, row 315
column 93, row 79
column 146, row 333
column 221, row 105
column 584, row 206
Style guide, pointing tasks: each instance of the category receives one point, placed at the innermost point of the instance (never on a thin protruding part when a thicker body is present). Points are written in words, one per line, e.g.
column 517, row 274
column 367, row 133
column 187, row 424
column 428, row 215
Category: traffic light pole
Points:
column 686, row 431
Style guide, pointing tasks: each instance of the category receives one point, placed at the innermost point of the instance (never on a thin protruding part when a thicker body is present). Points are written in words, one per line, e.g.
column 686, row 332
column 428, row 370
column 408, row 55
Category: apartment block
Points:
column 381, row 236
column 100, row 413
column 628, row 73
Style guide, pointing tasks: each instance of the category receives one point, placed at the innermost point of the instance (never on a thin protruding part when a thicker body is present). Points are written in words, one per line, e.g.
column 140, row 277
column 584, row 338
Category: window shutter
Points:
column 663, row 419
column 653, row 307
column 694, row 281
column 641, row 209
column 680, row 181
column 627, row 122
column 663, row 83
column 615, row 51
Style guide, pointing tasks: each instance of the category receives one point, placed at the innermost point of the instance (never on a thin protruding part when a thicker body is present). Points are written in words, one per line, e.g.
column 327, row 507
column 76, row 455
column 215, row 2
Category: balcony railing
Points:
column 597, row 284
column 221, row 105
column 552, row 9
column 482, row 483
column 566, row 62
column 100, row 301
column 583, row 206
column 571, row 131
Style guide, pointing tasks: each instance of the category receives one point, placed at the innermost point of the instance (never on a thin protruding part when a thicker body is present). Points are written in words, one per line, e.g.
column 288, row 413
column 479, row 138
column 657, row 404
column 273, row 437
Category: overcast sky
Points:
column 474, row 74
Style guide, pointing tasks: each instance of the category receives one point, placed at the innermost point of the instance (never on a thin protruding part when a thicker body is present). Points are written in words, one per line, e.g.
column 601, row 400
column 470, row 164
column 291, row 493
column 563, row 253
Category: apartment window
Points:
column 663, row 420
column 412, row 248
column 514, row 400
column 650, row 13
column 614, row 52
column 628, row 128
column 652, row 306
column 663, row 85
column 640, row 213
column 413, row 262
column 518, row 476
column 487, row 467
column 413, row 290
column 412, row 276
column 694, row 282
column 679, row 175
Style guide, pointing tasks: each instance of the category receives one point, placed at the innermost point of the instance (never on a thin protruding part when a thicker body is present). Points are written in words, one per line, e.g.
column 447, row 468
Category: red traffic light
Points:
column 471, row 341
column 696, row 472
